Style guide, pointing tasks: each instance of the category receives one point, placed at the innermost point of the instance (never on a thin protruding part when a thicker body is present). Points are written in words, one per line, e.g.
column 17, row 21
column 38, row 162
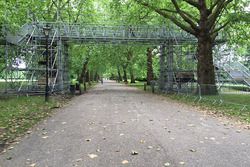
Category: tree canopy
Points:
column 202, row 18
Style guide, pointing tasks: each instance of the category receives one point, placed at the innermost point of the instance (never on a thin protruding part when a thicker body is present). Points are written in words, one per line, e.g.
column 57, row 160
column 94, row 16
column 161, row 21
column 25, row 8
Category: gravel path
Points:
column 114, row 126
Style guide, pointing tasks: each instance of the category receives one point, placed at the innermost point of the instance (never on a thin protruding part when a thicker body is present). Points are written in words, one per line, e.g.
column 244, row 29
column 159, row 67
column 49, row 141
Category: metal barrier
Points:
column 221, row 94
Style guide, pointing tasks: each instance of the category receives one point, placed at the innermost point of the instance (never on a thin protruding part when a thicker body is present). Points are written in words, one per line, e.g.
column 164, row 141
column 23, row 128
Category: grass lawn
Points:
column 237, row 98
column 235, row 105
column 18, row 114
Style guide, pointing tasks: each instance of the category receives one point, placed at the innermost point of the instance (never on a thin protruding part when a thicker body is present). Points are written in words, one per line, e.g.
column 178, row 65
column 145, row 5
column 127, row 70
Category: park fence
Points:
column 236, row 95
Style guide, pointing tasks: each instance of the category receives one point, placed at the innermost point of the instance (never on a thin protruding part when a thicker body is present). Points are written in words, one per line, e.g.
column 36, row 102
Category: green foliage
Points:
column 108, row 58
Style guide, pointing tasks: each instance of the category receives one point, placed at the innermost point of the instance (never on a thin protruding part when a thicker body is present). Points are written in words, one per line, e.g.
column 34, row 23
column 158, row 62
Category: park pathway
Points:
column 114, row 125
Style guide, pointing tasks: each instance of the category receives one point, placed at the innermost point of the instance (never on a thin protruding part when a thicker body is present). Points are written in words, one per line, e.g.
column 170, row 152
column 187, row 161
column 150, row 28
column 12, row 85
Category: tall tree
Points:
column 201, row 18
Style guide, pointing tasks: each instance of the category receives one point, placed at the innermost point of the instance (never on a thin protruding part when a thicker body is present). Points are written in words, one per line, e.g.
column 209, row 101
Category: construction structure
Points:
column 25, row 53
column 229, row 69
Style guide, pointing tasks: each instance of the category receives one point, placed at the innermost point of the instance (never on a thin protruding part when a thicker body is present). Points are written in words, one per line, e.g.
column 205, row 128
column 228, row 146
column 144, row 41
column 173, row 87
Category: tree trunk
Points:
column 132, row 76
column 88, row 77
column 96, row 77
column 92, row 76
column 125, row 79
column 205, row 67
column 119, row 74
column 82, row 77
column 150, row 73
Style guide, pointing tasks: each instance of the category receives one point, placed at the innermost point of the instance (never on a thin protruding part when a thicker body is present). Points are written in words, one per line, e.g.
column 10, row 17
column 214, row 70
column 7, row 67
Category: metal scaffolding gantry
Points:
column 25, row 51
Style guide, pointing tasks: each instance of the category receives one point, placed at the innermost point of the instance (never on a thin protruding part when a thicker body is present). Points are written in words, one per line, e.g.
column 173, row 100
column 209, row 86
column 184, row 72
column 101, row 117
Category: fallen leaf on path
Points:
column 91, row 123
column 167, row 164
column 29, row 132
column 92, row 156
column 125, row 162
column 78, row 160
column 150, row 147
column 142, row 141
column 133, row 120
column 212, row 138
column 190, row 125
column 33, row 165
column 192, row 150
column 134, row 152
column 247, row 127
column 44, row 133
column 45, row 137
column 10, row 148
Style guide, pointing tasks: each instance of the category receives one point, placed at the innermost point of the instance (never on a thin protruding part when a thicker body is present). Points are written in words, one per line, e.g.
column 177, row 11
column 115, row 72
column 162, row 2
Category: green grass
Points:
column 237, row 98
column 2, row 86
column 139, row 85
column 233, row 105
column 89, row 86
column 18, row 114
column 228, row 108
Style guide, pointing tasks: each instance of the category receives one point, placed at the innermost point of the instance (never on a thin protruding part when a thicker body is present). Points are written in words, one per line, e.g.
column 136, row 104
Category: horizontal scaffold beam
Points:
column 104, row 33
